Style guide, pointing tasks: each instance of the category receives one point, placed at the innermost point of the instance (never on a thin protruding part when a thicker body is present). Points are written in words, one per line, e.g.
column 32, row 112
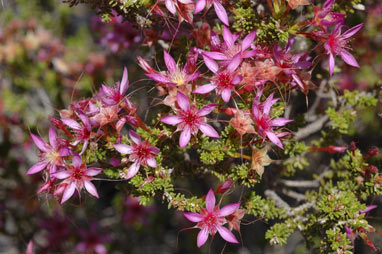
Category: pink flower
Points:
column 76, row 177
column 82, row 131
column 228, row 49
column 337, row 44
column 141, row 153
column 224, row 80
column 113, row 96
column 219, row 9
column 184, row 8
column 211, row 220
column 323, row 17
column 189, row 119
column 175, row 76
column 51, row 155
column 264, row 123
column 93, row 241
column 368, row 209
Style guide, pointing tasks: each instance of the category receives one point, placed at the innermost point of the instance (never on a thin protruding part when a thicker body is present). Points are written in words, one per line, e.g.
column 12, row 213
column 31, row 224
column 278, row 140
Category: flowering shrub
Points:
column 244, row 103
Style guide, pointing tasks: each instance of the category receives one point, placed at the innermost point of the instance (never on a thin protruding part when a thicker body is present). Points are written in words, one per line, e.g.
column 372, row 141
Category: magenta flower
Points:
column 337, row 44
column 264, row 123
column 184, row 8
column 224, row 80
column 76, row 177
column 113, row 96
column 368, row 209
column 93, row 240
column 189, row 120
column 219, row 9
column 175, row 76
column 228, row 49
column 323, row 17
column 211, row 220
column 51, row 155
column 82, row 131
column 141, row 153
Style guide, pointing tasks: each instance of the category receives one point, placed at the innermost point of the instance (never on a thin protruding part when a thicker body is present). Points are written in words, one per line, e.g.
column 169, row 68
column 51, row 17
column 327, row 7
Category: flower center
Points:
column 52, row 156
column 178, row 77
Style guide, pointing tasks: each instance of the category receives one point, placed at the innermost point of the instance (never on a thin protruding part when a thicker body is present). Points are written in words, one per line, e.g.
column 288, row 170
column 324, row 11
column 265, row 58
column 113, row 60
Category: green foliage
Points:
column 264, row 208
column 279, row 233
column 296, row 152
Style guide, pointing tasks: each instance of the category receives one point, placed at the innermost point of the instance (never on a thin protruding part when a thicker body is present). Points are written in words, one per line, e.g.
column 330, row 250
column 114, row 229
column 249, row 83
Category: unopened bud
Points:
column 373, row 151
column 337, row 149
column 353, row 147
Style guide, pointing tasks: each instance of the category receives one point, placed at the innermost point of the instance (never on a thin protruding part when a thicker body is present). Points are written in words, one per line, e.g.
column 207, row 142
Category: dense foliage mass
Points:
column 271, row 106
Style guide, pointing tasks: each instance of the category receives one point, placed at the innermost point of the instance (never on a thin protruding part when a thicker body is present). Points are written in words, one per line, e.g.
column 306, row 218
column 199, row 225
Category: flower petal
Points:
column 132, row 171
column 280, row 121
column 37, row 167
column 350, row 32
column 91, row 188
column 169, row 61
column 71, row 123
column 77, row 161
column 170, row 6
column 226, row 95
column 234, row 63
column 172, row 120
column 215, row 55
column 211, row 64
column 124, row 82
column 64, row 151
column 185, row 137
column 228, row 37
column 152, row 162
column 206, row 109
column 183, row 101
column 208, row 130
column 40, row 143
column 135, row 137
column 226, row 234
column 62, row 174
column 268, row 104
column 158, row 77
column 194, row 217
column 93, row 171
column 348, row 58
column 228, row 209
column 69, row 191
column 52, row 137
column 210, row 201
column 221, row 13
column 274, row 139
column 124, row 149
column 248, row 40
column 331, row 64
column 200, row 4
column 202, row 237
column 204, row 89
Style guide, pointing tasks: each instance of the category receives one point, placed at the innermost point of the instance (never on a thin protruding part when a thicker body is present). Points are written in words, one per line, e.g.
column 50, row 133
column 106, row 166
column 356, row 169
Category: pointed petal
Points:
column 228, row 209
column 185, row 137
column 64, row 151
column 133, row 170
column 77, row 161
column 221, row 13
column 206, row 109
column 154, row 149
column 85, row 120
column 350, row 32
column 237, row 79
column 211, row 64
column 234, row 63
column 169, row 61
column 84, row 146
column 215, row 55
column 71, row 123
column 268, row 104
column 192, row 77
column 331, row 64
column 228, row 37
column 172, row 120
column 248, row 40
column 200, row 5
column 40, row 143
column 280, row 121
column 62, row 174
column 208, row 130
column 226, row 95
column 248, row 53
column 69, row 191
column 170, row 6
column 52, row 137
column 124, row 149
column 152, row 162
column 91, row 188
column 158, row 77
column 202, row 237
column 124, row 82
column 183, row 101
column 274, row 139
column 37, row 167
column 298, row 81
column 210, row 200
column 193, row 217
column 226, row 234
column 135, row 137
column 93, row 171
column 204, row 89
column 348, row 58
